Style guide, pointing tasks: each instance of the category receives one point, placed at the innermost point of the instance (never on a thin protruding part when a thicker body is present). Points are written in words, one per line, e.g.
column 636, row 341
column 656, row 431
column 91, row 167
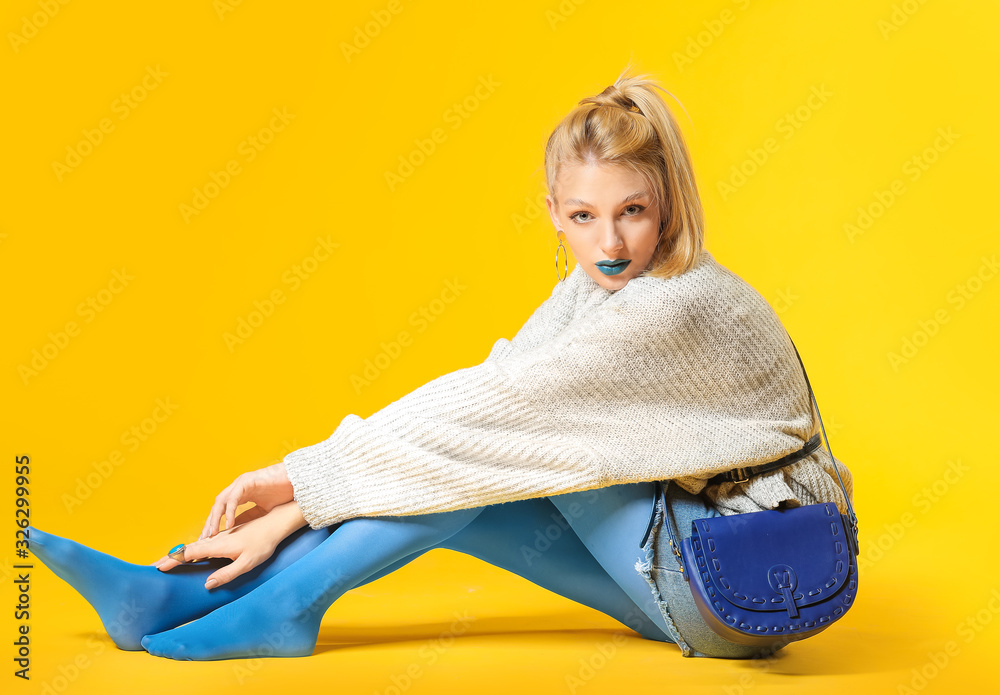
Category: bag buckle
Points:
column 679, row 556
column 740, row 475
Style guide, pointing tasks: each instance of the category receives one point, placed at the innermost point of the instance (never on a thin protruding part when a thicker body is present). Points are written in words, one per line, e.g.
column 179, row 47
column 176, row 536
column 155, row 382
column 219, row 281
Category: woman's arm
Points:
column 271, row 486
column 681, row 379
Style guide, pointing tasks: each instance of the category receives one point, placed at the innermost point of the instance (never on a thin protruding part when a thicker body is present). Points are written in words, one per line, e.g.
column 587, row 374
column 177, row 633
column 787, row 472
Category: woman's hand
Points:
column 249, row 543
column 266, row 487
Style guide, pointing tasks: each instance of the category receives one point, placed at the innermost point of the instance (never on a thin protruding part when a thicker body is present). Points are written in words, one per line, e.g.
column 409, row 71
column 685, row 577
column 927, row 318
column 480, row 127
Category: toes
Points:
column 162, row 645
column 155, row 645
column 151, row 645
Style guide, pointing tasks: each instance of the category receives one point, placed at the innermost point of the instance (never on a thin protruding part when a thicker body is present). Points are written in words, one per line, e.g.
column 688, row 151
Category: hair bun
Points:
column 614, row 96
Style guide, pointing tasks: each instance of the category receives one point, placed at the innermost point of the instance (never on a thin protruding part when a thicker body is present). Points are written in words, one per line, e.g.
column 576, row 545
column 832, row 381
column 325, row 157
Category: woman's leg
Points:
column 611, row 521
column 532, row 539
column 133, row 601
column 282, row 617
column 527, row 537
column 136, row 600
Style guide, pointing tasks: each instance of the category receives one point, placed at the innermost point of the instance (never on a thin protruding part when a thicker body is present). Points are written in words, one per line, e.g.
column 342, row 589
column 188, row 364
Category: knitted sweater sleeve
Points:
column 465, row 439
column 502, row 430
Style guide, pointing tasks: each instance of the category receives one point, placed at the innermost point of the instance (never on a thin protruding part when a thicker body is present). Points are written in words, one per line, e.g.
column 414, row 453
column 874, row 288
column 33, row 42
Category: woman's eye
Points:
column 637, row 210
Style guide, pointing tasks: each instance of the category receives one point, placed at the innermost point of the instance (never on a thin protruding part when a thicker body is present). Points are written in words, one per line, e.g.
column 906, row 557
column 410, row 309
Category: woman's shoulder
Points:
column 708, row 288
column 563, row 304
column 705, row 281
column 707, row 299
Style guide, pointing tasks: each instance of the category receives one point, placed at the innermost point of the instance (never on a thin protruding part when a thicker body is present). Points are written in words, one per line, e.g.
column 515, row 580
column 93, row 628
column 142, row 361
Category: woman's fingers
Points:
column 244, row 563
column 246, row 515
column 206, row 530
column 208, row 524
column 165, row 563
column 212, row 525
column 231, row 505
column 252, row 541
column 225, row 545
column 220, row 546
column 267, row 488
column 223, row 505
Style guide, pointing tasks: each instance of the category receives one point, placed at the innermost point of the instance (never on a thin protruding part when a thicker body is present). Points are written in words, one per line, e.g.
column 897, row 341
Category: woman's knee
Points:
column 500, row 524
column 622, row 492
column 589, row 510
column 430, row 529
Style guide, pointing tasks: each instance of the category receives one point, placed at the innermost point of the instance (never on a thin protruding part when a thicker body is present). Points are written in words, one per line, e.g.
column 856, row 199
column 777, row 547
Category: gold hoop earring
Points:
column 565, row 258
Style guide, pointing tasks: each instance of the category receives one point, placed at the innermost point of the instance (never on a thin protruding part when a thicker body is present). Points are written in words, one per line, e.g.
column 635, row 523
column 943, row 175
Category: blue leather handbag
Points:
column 771, row 577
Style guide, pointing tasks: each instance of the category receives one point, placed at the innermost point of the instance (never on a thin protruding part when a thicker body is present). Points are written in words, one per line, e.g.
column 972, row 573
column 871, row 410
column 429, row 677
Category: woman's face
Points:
column 610, row 220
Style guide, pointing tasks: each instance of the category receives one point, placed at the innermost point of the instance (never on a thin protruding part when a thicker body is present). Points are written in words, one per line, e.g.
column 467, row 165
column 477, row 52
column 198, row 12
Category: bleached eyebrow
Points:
column 630, row 197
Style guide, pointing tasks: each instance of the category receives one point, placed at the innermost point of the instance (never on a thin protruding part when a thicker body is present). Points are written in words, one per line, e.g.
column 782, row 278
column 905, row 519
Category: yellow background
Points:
column 895, row 75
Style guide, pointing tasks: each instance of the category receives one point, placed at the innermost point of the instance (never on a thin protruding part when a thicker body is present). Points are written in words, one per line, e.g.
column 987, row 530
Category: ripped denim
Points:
column 662, row 570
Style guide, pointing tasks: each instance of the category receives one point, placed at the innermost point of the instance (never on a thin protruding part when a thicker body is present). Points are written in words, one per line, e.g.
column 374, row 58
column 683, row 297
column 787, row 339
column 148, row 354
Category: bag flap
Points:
column 756, row 559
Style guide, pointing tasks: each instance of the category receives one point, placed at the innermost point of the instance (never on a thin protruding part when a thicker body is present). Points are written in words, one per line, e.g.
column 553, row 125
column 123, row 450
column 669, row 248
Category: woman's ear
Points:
column 550, row 203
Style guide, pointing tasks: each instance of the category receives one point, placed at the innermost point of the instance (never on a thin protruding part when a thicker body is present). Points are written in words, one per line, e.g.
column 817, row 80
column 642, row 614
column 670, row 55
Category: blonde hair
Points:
column 628, row 124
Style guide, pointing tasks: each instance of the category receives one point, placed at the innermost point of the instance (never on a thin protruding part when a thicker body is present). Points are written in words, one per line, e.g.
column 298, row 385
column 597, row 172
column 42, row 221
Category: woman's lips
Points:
column 613, row 267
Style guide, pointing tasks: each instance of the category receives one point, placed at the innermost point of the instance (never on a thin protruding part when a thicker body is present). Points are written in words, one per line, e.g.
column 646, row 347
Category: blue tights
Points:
column 581, row 545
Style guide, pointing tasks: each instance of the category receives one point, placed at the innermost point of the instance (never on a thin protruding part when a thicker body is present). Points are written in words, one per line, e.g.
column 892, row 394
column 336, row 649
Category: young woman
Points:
column 649, row 362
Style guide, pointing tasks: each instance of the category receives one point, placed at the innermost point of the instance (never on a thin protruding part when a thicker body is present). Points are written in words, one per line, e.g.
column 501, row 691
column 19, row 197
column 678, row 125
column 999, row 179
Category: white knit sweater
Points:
column 676, row 379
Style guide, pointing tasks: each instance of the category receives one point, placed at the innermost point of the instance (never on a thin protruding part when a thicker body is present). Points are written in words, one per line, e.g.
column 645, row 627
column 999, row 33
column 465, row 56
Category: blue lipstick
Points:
column 613, row 267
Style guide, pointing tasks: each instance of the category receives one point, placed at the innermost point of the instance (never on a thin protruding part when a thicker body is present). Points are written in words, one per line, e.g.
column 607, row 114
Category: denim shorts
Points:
column 662, row 570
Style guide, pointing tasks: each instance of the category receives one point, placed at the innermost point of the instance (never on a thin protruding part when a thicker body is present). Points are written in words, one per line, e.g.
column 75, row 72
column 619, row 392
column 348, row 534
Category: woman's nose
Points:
column 611, row 240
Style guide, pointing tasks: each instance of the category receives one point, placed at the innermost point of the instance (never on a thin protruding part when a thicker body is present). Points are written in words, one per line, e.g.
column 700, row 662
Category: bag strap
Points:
column 743, row 474
column 852, row 519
